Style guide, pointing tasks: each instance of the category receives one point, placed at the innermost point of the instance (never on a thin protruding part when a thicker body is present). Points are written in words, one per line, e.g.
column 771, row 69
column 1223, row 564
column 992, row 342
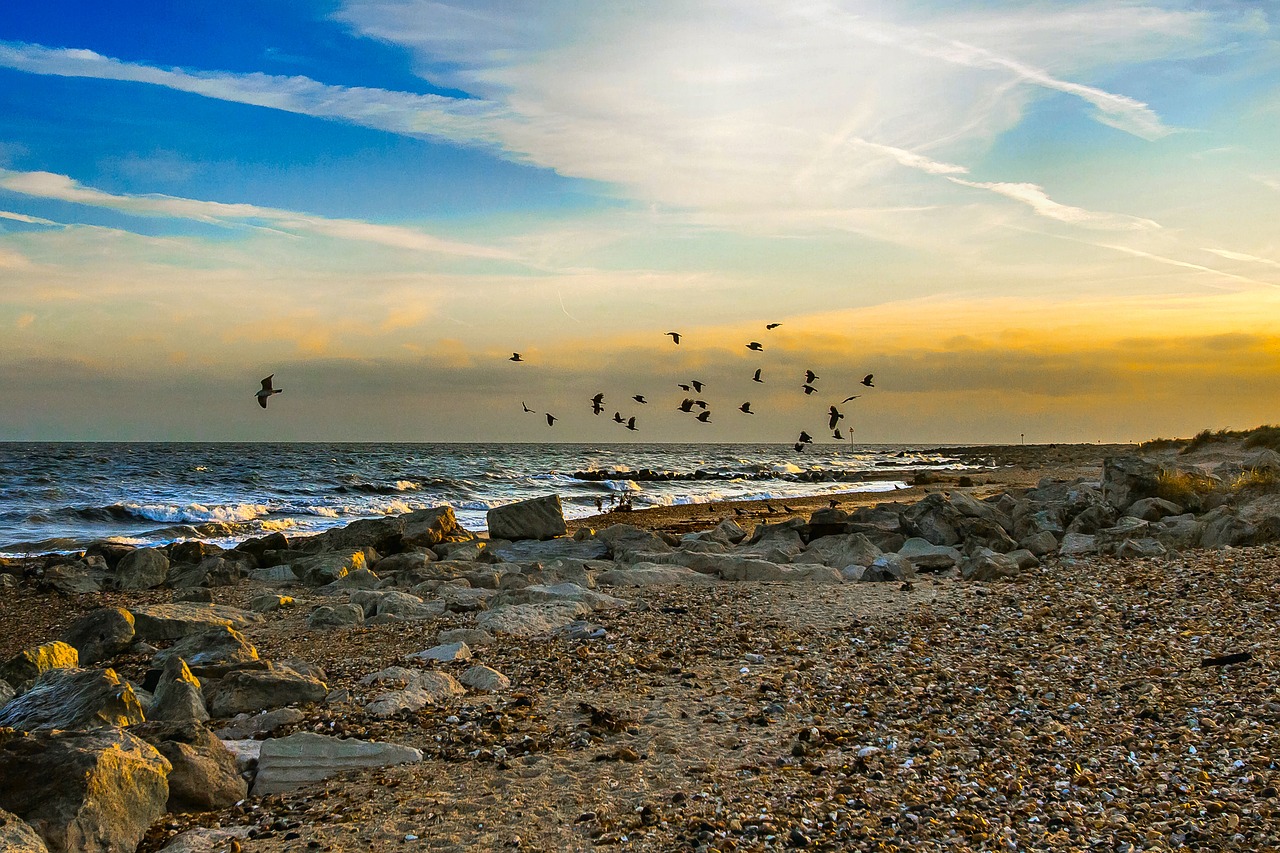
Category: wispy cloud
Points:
column 1241, row 256
column 1174, row 262
column 22, row 217
column 1035, row 197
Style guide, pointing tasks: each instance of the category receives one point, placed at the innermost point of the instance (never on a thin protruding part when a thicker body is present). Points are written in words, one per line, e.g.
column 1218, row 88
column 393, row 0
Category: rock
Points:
column 473, row 637
column 444, row 653
column 985, row 533
column 270, row 603
column 561, row 592
column 336, row 616
column 625, row 541
column 532, row 550
column 987, row 565
column 927, row 557
column 286, row 764
column 214, row 652
column 730, row 530
column 1045, row 519
column 420, row 688
column 536, row 518
column 74, row 699
column 223, row 569
column 192, row 551
column 258, row 547
column 356, row 580
column 250, row 725
column 84, row 792
column 391, row 604
column 421, row 528
column 933, row 518
column 889, row 567
column 202, row 840
column 407, row 562
column 143, row 568
column 1127, row 479
column 1153, row 509
column 1093, row 518
column 483, row 678
column 22, row 670
column 1077, row 544
column 1041, row 543
column 1141, row 547
column 17, row 836
column 530, row 620
column 199, row 594
column 651, row 574
column 828, row 521
column 100, row 634
column 178, row 696
column 1024, row 558
column 6, row 692
column 853, row 549
column 246, row 691
column 329, row 566
column 204, row 776
column 174, row 621
column 280, row 574
column 73, row 579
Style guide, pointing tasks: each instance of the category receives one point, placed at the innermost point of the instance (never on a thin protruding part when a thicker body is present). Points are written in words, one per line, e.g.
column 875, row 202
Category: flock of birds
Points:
column 687, row 405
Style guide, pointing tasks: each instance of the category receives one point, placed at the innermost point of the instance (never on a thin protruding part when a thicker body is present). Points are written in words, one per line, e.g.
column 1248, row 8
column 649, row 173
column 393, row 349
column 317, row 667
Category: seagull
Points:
column 755, row 345
column 837, row 436
column 772, row 326
column 686, row 405
column 805, row 438
column 267, row 391
column 705, row 417
column 866, row 380
column 701, row 404
column 697, row 386
column 631, row 424
column 617, row 418
column 639, row 398
column 597, row 403
column 746, row 408
column 675, row 337
column 809, row 376
column 809, row 389
column 835, row 418
column 526, row 408
column 847, row 399
column 551, row 419
column 515, row 356
column 757, row 378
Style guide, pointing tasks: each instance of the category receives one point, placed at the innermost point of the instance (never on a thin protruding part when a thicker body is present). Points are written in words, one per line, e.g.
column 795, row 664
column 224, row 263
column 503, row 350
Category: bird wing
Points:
column 847, row 399
column 262, row 401
column 266, row 383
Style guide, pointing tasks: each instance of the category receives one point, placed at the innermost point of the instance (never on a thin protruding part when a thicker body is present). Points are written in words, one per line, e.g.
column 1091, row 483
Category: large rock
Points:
column 1127, row 479
column 853, row 549
column 485, row 679
column 392, row 604
column 652, row 574
column 927, row 557
column 1153, row 509
column 178, row 696
column 328, row 566
column 536, row 518
column 174, row 621
column 414, row 689
column 249, row 690
column 74, row 699
column 540, row 593
column 143, row 568
column 626, row 541
column 22, row 670
column 530, row 620
column 286, row 764
column 889, row 567
column 533, row 550
column 17, row 836
column 224, row 569
column 336, row 616
column 101, row 634
column 84, row 792
column 204, row 776
column 74, row 578
column 933, row 518
column 421, row 528
column 202, row 840
column 214, row 652
column 251, row 725
column 988, row 565
column 1078, row 544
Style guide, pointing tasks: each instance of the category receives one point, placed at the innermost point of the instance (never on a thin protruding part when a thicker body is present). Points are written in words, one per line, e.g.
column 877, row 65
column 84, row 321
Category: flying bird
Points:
column 697, row 386
column 684, row 387
column 617, row 418
column 772, row 326
column 746, row 407
column 639, row 398
column 551, row 419
column 757, row 378
column 597, row 403
column 866, row 380
column 686, row 405
column 705, row 417
column 701, row 404
column 809, row 389
column 515, row 356
column 847, row 399
column 526, row 408
column 837, row 436
column 755, row 345
column 799, row 447
column 631, row 424
column 835, row 418
column 809, row 376
column 267, row 391
column 675, row 337
column 805, row 438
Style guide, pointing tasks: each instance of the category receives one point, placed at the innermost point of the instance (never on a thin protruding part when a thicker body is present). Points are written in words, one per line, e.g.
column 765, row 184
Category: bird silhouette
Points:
column 799, row 447
column 705, row 417
column 675, row 337
column 551, row 419
column 617, row 418
column 686, row 405
column 866, row 380
column 597, row 403
column 805, row 437
column 786, row 508
column 684, row 387
column 746, row 407
column 809, row 376
column 631, row 424
column 847, row 399
column 515, row 356
column 772, row 326
column 835, row 418
column 639, row 398
column 757, row 378
column 837, row 436
column 769, row 508
column 738, row 512
column 701, row 404
column 526, row 408
column 697, row 386
column 808, row 389
column 756, row 346
column 267, row 391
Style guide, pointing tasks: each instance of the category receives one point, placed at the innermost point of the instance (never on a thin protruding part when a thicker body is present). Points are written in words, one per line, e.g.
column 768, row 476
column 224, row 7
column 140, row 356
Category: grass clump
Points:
column 1264, row 436
column 1185, row 488
column 1256, row 480
column 1161, row 443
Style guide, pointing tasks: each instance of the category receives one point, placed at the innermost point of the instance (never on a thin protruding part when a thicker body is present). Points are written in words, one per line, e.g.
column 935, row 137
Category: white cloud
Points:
column 1035, row 197
column 1174, row 262
column 1241, row 256
column 22, row 217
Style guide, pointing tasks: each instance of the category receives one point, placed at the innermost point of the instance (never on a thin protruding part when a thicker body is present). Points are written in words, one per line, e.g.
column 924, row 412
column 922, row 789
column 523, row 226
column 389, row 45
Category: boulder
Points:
column 828, row 521
column 1145, row 546
column 416, row 561
column 264, row 723
column 1024, row 558
column 530, row 620
column 561, row 592
column 987, row 565
column 533, row 550
column 142, row 568
column 443, row 653
column 223, row 569
column 421, row 528
column 485, row 679
column 249, row 690
column 214, row 652
column 73, row 579
column 626, row 541
column 202, row 594
column 269, row 602
column 985, row 533
column 280, row 574
column 286, row 764
column 391, row 604
column 416, row 689
column 934, row 519
column 652, row 574
column 17, row 836
column 1222, row 528
column 204, row 776
column 1093, row 518
column 258, row 547
column 1077, row 544
column 1127, row 479
column 462, row 599
column 336, row 616
column 889, row 567
column 84, row 792
column 178, row 696
column 536, row 518
column 1041, row 543
column 1049, row 518
column 927, row 557
column 74, row 699
column 22, row 670
column 473, row 637
column 329, row 566
column 202, row 840
column 192, row 551
column 174, row 621
column 1153, row 509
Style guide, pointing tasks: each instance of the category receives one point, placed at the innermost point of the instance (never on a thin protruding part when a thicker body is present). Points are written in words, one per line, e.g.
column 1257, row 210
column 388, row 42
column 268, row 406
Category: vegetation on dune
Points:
column 1262, row 436
column 1185, row 488
column 1161, row 443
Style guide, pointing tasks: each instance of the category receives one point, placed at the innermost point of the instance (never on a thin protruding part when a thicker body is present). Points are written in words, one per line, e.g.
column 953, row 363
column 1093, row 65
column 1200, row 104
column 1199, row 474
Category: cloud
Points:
column 1174, row 262
column 22, row 217
column 912, row 160
column 1035, row 197
column 1241, row 256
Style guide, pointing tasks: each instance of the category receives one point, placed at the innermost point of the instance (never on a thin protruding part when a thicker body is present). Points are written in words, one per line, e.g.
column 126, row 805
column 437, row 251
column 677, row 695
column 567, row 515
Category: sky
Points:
column 1051, row 220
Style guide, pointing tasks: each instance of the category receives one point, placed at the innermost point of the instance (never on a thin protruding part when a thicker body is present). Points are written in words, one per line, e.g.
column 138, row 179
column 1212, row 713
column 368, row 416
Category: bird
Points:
column 631, row 424
column 267, row 391
column 746, row 408
column 515, row 356
column 786, row 508
column 526, row 408
column 808, row 389
column 686, row 405
column 697, row 386
column 837, row 436
column 809, row 376
column 617, row 418
column 639, row 398
column 551, row 419
column 738, row 512
column 705, row 417
column 769, row 508
column 805, row 437
column 772, row 326
column 756, row 346
column 866, row 380
column 832, row 503
column 701, row 404
column 847, row 399
column 835, row 418
column 799, row 447
column 684, row 387
column 675, row 337
column 597, row 403
column 757, row 378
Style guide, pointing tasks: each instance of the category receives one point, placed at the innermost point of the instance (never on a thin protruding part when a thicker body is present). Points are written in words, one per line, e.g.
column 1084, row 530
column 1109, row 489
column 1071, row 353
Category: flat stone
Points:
column 420, row 688
column 270, row 603
column 561, row 592
column 483, row 678
column 243, row 726
column 336, row 616
column 652, row 574
column 530, row 620
column 444, row 653
column 202, row 840
column 926, row 556
column 246, row 691
column 173, row 621
column 286, row 764
column 473, row 637
column 531, row 550
column 328, row 566
column 536, row 518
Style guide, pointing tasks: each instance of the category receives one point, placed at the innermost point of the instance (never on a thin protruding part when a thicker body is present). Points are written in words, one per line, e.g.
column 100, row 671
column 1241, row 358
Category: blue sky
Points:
column 381, row 200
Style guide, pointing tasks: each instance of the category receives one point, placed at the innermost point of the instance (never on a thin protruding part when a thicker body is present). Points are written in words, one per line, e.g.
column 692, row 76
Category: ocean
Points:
column 62, row 496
